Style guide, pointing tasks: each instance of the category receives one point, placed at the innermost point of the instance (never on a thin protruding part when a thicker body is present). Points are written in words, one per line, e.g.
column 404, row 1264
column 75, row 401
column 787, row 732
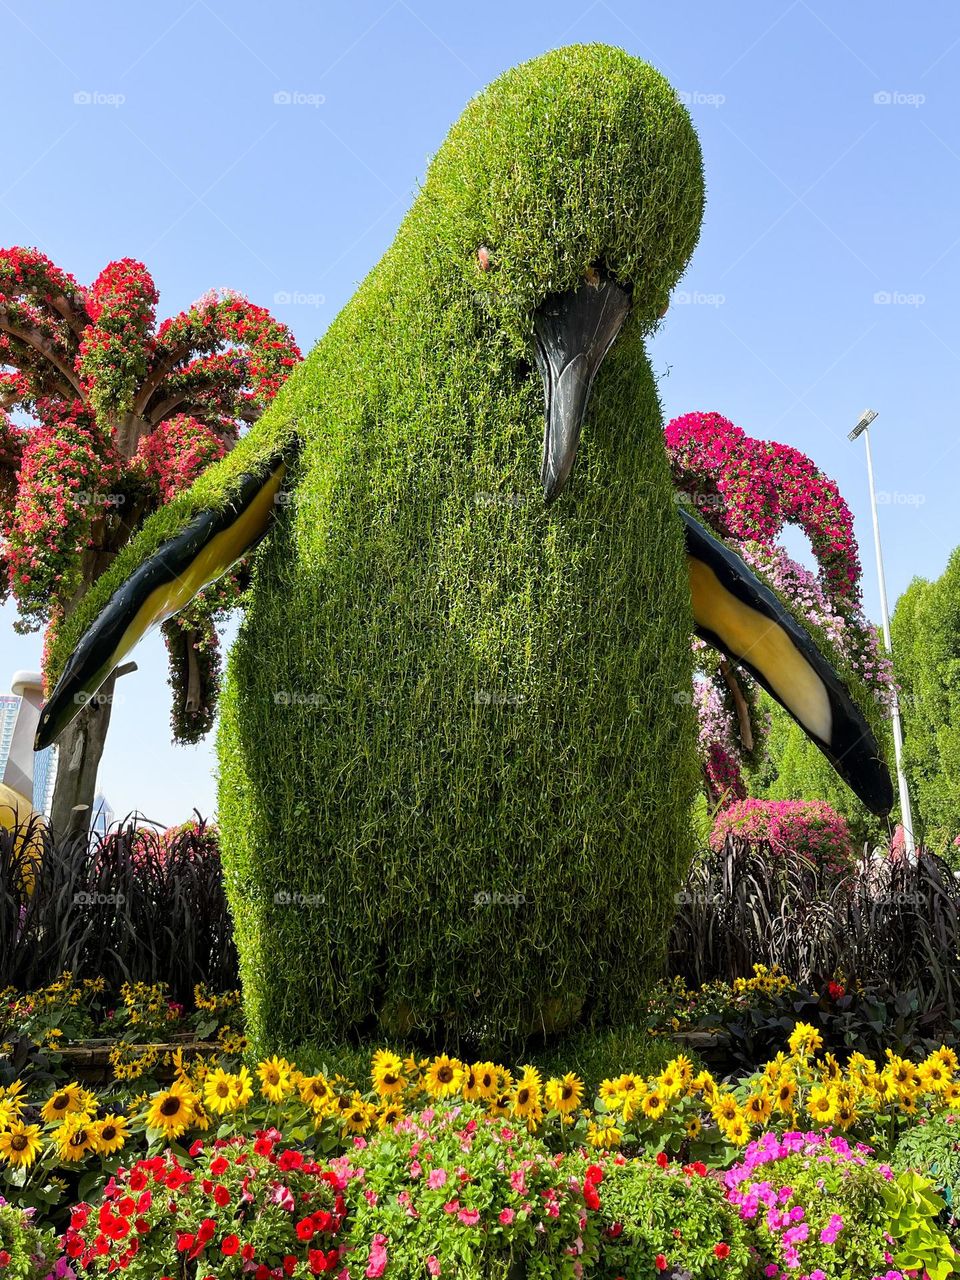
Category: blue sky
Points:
column 827, row 276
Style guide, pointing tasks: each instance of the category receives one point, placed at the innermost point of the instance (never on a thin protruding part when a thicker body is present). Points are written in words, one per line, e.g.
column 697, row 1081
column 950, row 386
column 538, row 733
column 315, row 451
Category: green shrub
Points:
column 659, row 1218
column 26, row 1251
column 933, row 1149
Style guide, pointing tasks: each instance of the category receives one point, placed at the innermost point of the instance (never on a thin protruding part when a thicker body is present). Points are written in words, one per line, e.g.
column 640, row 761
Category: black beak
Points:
column 574, row 331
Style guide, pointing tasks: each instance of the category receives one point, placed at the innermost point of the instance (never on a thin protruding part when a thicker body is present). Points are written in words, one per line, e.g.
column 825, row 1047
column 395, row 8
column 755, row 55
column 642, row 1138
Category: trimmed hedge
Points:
column 455, row 780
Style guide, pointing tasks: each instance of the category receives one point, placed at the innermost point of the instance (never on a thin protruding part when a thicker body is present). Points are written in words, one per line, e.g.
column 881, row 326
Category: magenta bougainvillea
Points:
column 747, row 491
column 808, row 828
column 115, row 415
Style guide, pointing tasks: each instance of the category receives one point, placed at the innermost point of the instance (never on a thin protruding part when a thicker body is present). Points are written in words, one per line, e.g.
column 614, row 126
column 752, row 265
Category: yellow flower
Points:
column 693, row 1127
column 171, row 1110
column 704, row 1083
column 389, row 1115
column 804, row 1040
column 74, row 1138
column 20, row 1144
column 526, row 1095
column 670, row 1081
column 64, row 1102
column 845, row 1114
column 951, row 1095
column 820, row 1105
column 387, row 1073
column 757, row 1108
column 219, row 1092
column 784, row 1096
column 110, row 1134
column 443, row 1076
column 358, row 1116
column 725, row 1109
column 682, row 1065
column 242, row 1089
column 500, row 1104
column 564, row 1095
column 948, row 1059
column 315, row 1092
column 604, row 1135
column 737, row 1131
column 276, row 1079
column 654, row 1104
column 933, row 1074
column 481, row 1082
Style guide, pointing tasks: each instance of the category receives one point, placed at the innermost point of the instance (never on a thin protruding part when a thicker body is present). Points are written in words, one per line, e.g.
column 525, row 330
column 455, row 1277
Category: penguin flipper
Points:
column 737, row 614
column 170, row 574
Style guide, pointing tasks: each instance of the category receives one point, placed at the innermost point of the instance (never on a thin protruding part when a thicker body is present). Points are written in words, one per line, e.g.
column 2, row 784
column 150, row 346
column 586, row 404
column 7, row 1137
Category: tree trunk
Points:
column 80, row 747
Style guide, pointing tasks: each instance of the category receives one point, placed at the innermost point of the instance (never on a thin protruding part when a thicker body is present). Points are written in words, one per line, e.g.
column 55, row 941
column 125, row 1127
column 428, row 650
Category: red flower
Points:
column 660, row 1262
column 229, row 1245
column 306, row 1229
column 662, row 1159
column 722, row 1250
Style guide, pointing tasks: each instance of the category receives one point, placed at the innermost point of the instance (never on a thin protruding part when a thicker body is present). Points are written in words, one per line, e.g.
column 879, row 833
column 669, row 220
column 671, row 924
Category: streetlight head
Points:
column 864, row 421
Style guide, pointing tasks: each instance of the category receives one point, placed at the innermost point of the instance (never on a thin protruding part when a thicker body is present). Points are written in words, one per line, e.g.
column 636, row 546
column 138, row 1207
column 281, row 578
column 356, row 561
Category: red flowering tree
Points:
column 114, row 416
column 747, row 491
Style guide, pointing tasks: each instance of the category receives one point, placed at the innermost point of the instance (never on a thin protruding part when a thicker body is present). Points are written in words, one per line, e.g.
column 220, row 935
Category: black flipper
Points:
column 164, row 584
column 737, row 614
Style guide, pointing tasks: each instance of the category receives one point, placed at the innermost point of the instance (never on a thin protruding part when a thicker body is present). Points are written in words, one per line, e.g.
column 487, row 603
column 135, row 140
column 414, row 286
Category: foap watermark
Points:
column 697, row 298
column 502, row 499
column 704, row 897
column 496, row 698
column 85, row 899
column 97, row 98
column 297, row 298
column 84, row 699
column 493, row 898
column 284, row 898
column 897, row 298
column 700, row 98
column 300, row 698
column 897, row 98
column 297, row 98
column 894, row 498
column 703, row 501
column 87, row 498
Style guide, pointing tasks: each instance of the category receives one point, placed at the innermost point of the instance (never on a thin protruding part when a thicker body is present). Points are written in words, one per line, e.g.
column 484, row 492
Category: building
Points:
column 42, row 765
column 103, row 815
column 44, row 779
column 9, row 706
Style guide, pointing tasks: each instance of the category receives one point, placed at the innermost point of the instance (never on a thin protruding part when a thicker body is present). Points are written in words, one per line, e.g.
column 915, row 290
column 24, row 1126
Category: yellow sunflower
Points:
column 20, row 1144
column 804, row 1040
column 389, row 1115
column 64, row 1102
column 948, row 1059
column 784, row 1096
column 820, row 1105
column 75, row 1137
column 654, row 1104
column 564, row 1094
column 693, row 1128
column 757, row 1108
column 443, row 1076
column 276, row 1079
column 315, row 1092
column 219, row 1092
column 387, row 1073
column 725, row 1109
column 110, row 1134
column 526, row 1095
column 737, row 1131
column 171, row 1111
column 358, row 1116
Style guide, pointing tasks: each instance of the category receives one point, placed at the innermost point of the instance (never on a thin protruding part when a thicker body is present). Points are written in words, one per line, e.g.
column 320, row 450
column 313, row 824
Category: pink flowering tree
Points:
column 747, row 491
column 114, row 415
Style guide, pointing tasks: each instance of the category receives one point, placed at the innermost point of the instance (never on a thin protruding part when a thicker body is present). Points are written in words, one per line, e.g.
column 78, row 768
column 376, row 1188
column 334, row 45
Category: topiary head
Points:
column 577, row 171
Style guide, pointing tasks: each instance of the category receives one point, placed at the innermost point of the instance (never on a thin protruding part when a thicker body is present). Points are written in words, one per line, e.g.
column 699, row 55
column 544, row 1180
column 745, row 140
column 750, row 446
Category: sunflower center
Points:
column 18, row 1142
column 445, row 1075
column 170, row 1106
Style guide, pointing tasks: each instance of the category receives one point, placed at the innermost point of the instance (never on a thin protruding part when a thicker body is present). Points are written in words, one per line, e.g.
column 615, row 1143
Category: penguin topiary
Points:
column 457, row 752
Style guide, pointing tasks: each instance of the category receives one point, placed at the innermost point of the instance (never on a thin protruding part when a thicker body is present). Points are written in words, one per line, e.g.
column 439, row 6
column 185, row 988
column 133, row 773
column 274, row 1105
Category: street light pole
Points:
column 906, row 813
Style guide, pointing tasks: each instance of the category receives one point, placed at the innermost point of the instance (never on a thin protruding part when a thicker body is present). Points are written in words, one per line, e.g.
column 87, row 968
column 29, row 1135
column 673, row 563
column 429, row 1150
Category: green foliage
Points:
column 684, row 1219
column 933, row 1150
column 922, row 1245
column 31, row 1250
column 926, row 645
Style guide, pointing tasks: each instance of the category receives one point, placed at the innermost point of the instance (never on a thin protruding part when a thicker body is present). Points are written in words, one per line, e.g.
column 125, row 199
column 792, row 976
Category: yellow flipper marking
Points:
column 750, row 635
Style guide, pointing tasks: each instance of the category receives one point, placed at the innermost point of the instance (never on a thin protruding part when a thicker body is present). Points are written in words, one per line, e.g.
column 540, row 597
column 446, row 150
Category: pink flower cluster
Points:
column 810, row 828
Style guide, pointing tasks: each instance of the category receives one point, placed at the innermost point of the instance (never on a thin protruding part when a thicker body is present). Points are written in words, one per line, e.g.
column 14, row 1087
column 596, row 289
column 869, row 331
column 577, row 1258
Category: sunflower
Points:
column 315, row 1092
column 820, row 1105
column 242, row 1089
column 830, row 1069
column 704, row 1084
column 804, row 1040
column 786, row 1092
column 110, row 1134
column 682, row 1065
column 693, row 1128
column 276, row 1079
column 171, row 1111
column 443, row 1076
column 725, row 1109
column 481, row 1082
column 75, row 1137
column 935, row 1078
column 845, row 1114
column 526, row 1095
column 64, row 1102
column 390, row 1114
column 358, row 1116
column 387, row 1073
column 670, row 1081
column 737, row 1131
column 604, row 1135
column 908, row 1105
column 20, row 1144
column 757, row 1108
column 219, row 1092
column 564, row 1095
column 654, row 1104
column 948, row 1059
column 951, row 1095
